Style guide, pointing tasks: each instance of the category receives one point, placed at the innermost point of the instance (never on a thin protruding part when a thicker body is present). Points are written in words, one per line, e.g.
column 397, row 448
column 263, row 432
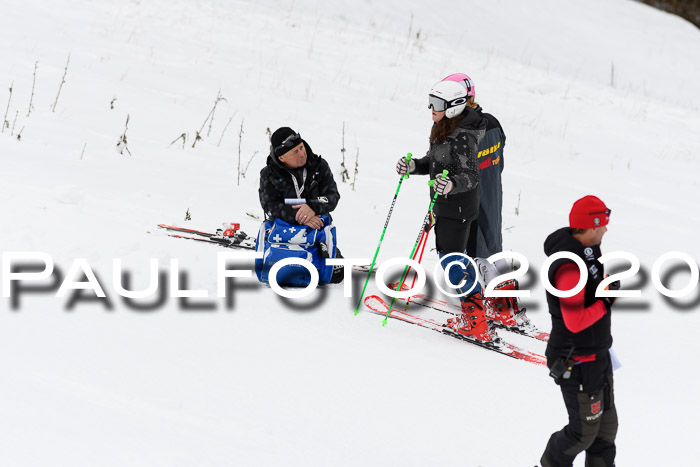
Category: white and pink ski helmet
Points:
column 449, row 97
column 465, row 81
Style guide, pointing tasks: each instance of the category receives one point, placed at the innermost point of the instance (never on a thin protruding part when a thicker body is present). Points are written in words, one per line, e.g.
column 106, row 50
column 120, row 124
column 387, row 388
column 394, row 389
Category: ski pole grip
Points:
column 408, row 163
column 444, row 174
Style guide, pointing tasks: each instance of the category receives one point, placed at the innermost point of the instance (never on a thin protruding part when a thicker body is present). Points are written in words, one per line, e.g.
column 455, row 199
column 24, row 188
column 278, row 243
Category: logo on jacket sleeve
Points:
column 595, row 408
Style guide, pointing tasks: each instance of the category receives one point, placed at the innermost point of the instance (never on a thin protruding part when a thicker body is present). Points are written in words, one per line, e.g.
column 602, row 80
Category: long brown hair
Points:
column 443, row 128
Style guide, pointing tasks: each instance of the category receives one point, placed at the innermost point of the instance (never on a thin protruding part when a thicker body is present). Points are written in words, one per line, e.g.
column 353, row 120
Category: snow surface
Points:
column 597, row 97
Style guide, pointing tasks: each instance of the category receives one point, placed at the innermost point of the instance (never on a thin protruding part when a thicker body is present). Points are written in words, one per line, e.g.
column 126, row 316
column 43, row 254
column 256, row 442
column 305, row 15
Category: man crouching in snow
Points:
column 297, row 186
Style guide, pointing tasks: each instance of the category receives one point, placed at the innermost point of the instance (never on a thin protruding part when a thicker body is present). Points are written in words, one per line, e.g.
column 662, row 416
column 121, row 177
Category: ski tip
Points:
column 370, row 299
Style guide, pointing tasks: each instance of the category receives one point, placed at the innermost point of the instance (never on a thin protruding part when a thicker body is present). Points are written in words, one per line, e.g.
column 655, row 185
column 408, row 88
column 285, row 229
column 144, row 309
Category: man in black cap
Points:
column 296, row 185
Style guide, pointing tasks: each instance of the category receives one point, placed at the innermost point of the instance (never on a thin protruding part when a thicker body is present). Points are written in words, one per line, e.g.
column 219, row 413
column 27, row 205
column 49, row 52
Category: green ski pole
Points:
column 420, row 234
column 386, row 224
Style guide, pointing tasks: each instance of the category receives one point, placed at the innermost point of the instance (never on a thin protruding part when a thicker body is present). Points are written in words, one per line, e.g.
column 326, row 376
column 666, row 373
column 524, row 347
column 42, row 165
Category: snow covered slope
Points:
column 597, row 97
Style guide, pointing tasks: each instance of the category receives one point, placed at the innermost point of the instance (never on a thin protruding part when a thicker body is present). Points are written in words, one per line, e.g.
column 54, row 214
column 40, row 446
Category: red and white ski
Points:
column 377, row 305
column 449, row 308
column 229, row 236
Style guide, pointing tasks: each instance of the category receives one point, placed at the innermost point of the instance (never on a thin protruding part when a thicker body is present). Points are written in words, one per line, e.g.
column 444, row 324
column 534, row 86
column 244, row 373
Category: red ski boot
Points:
column 472, row 322
column 504, row 311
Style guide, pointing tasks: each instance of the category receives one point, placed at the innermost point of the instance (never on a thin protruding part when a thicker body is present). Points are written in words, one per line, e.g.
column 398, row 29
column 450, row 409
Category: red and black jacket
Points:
column 581, row 322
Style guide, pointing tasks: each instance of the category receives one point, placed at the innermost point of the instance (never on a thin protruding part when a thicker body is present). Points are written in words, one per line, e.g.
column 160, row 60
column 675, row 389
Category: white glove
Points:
column 402, row 168
column 443, row 185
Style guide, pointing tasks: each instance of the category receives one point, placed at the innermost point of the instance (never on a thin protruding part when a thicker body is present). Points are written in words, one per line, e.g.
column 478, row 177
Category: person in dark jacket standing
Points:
column 454, row 138
column 485, row 236
column 578, row 351
column 296, row 185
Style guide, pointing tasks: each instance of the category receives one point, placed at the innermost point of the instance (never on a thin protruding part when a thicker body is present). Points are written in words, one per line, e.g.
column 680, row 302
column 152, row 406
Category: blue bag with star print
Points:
column 278, row 240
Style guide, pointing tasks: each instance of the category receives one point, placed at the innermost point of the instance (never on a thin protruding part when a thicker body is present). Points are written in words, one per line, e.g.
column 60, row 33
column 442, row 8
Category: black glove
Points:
column 610, row 300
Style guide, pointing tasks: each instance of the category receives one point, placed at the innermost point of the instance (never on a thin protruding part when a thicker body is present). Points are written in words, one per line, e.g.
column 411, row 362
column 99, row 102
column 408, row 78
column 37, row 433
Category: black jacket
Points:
column 489, row 239
column 457, row 154
column 319, row 189
column 595, row 339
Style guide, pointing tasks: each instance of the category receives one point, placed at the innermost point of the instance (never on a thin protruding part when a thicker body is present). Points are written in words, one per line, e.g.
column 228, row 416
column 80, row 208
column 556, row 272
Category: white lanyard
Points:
column 296, row 184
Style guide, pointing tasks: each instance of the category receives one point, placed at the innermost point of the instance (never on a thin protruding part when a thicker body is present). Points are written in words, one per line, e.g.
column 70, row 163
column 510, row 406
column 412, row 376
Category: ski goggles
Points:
column 288, row 143
column 606, row 212
column 439, row 104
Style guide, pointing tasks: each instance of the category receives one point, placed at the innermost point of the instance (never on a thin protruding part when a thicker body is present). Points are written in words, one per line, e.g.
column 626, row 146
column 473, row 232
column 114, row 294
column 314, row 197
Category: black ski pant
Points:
column 451, row 235
column 473, row 234
column 590, row 402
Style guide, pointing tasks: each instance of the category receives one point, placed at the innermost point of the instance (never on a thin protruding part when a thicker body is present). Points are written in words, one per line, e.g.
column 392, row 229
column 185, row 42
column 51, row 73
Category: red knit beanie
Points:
column 588, row 213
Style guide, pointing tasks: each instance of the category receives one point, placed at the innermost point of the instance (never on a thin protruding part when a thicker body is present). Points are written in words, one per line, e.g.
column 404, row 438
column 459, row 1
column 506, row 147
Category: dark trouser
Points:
column 590, row 402
column 451, row 235
column 473, row 234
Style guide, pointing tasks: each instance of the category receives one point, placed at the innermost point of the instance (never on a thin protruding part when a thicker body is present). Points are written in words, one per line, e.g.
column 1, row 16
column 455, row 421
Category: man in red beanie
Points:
column 578, row 351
